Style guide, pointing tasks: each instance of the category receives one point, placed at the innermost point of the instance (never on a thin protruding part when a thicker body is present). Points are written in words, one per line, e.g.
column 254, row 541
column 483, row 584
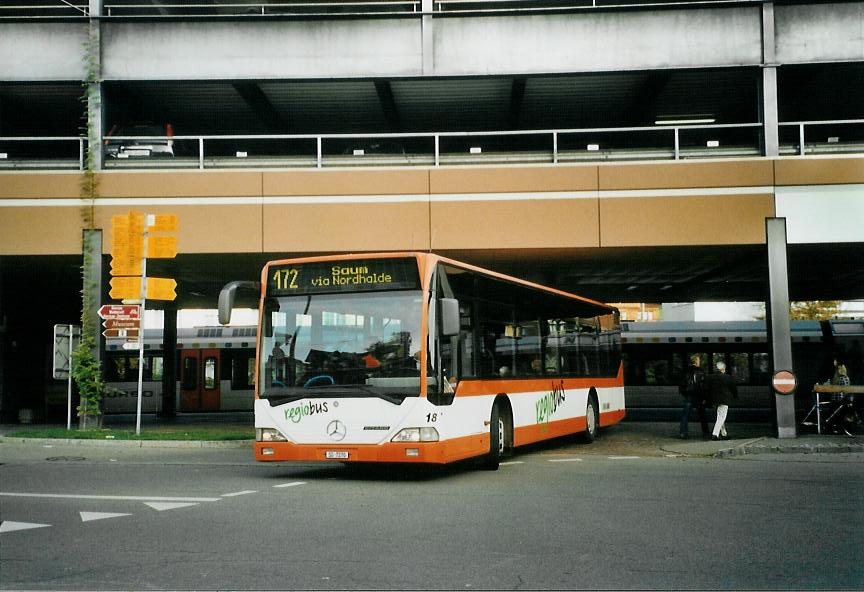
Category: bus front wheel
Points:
column 496, row 440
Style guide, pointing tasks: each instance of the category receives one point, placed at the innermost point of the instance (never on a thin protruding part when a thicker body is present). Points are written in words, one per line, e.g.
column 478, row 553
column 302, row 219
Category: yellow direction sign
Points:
column 127, row 239
column 123, row 288
column 129, row 288
column 161, row 289
column 164, row 223
column 161, row 247
column 125, row 266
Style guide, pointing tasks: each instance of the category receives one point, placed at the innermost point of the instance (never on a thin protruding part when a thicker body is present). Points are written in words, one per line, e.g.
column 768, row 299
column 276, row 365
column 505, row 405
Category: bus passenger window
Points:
column 210, row 373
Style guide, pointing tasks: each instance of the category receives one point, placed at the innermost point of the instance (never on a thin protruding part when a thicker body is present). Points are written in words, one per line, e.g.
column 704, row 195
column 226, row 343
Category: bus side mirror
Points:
column 229, row 294
column 449, row 317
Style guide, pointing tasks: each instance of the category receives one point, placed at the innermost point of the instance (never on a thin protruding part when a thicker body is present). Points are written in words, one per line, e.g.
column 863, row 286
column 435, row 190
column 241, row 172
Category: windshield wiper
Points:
column 281, row 395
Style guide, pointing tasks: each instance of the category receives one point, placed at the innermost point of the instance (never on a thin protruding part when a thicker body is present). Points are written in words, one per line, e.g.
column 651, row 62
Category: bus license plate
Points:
column 337, row 454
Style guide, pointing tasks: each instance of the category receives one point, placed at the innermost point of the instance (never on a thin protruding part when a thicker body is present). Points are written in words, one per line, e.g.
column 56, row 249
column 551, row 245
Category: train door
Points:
column 199, row 380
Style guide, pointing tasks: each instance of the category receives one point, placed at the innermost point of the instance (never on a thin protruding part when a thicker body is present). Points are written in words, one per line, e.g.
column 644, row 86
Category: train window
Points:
column 115, row 369
column 242, row 372
column 132, row 368
column 190, row 374
column 156, row 368
column 658, row 372
column 740, row 367
column 761, row 368
column 210, row 373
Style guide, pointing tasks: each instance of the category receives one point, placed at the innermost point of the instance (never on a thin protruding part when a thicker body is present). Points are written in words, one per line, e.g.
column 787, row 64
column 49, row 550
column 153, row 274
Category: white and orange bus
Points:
column 412, row 357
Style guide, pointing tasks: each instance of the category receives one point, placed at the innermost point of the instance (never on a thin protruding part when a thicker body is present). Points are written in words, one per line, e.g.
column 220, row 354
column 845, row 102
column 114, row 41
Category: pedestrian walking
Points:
column 691, row 388
column 720, row 390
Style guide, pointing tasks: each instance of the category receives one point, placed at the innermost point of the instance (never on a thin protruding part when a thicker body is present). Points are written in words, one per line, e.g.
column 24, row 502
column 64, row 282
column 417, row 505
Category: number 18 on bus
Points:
column 413, row 357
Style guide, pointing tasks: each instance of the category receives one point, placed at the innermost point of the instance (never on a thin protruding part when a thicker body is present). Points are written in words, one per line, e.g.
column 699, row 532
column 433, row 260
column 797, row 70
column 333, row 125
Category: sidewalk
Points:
column 643, row 438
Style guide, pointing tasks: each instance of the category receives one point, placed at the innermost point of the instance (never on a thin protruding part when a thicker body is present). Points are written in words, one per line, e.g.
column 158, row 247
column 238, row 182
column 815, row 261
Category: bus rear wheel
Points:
column 592, row 420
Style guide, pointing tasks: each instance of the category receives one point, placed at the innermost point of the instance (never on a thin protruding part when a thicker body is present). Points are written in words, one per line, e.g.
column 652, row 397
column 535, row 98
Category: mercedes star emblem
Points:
column 336, row 430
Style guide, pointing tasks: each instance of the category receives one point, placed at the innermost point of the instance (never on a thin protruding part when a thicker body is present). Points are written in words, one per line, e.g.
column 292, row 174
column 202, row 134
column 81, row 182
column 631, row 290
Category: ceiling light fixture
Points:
column 684, row 120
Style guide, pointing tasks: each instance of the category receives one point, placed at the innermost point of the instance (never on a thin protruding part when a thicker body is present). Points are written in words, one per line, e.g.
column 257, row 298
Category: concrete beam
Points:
column 262, row 107
column 430, row 45
column 388, row 105
column 517, row 96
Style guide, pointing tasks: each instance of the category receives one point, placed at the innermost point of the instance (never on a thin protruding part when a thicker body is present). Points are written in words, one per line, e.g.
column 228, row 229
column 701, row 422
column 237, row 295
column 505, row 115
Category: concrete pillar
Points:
column 768, row 107
column 779, row 327
column 169, row 367
column 4, row 405
column 428, row 39
column 93, row 74
column 92, row 294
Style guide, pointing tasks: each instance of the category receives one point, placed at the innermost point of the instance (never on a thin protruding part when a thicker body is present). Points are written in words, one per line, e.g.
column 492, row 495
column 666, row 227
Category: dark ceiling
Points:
column 666, row 274
column 729, row 95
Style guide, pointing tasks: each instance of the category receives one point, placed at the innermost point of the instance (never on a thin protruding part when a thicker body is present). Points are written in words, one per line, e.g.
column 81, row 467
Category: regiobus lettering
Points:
column 444, row 360
column 548, row 405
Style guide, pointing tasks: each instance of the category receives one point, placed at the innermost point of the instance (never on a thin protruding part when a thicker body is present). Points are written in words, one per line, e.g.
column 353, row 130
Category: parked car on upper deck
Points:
column 140, row 141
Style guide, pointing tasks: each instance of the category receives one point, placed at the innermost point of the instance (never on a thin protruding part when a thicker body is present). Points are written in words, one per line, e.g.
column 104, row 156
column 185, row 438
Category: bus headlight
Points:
column 269, row 435
column 416, row 435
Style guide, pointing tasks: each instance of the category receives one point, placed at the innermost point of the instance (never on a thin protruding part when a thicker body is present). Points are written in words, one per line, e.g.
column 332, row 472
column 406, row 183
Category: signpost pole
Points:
column 62, row 363
column 147, row 222
column 69, row 384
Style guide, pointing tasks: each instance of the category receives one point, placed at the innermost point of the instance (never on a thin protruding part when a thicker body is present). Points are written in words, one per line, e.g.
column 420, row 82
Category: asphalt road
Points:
column 552, row 518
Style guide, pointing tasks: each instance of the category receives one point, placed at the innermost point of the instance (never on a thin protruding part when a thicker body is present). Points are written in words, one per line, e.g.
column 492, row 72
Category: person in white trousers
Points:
column 720, row 389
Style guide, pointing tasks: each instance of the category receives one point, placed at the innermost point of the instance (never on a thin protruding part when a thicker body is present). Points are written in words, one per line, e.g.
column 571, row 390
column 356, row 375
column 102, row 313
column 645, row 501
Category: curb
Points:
column 764, row 446
column 132, row 443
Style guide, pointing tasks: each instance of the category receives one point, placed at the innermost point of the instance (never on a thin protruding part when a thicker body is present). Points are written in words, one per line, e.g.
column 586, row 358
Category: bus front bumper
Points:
column 413, row 452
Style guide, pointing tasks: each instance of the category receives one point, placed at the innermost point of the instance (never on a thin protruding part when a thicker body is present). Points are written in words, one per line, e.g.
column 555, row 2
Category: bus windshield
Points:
column 349, row 344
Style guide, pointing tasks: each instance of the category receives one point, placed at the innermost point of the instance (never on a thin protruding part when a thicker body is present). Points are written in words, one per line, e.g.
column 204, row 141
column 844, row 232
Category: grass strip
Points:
column 160, row 433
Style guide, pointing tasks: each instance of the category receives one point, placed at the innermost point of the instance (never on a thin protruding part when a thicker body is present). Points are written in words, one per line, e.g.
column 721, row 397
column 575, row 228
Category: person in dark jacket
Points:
column 691, row 390
column 720, row 389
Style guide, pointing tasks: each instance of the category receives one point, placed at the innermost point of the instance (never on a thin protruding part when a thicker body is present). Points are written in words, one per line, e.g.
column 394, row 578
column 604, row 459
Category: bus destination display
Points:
column 360, row 275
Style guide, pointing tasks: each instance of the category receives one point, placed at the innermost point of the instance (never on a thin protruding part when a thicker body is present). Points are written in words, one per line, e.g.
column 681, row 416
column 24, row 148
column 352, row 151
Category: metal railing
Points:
column 118, row 8
column 829, row 140
column 359, row 7
column 550, row 146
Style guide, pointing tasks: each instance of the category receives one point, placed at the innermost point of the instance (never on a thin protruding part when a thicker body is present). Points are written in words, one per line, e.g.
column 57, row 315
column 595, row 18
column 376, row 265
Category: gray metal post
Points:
column 778, row 320
column 768, row 107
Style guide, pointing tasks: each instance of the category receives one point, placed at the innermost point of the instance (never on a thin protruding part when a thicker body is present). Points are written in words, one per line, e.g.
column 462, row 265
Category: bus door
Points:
column 199, row 380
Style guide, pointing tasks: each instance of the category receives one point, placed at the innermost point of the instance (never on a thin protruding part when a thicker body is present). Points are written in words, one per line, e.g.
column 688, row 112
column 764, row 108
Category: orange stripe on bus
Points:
column 544, row 431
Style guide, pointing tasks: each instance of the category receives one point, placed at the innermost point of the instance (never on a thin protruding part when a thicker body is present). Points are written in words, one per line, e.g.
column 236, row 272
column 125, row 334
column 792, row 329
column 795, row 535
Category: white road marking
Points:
column 236, row 493
column 162, row 506
column 512, row 462
column 624, row 457
column 291, row 484
column 90, row 516
column 134, row 498
column 565, row 460
column 8, row 526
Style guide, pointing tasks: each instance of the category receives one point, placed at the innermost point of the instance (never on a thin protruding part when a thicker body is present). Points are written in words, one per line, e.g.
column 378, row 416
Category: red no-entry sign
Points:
column 784, row 382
